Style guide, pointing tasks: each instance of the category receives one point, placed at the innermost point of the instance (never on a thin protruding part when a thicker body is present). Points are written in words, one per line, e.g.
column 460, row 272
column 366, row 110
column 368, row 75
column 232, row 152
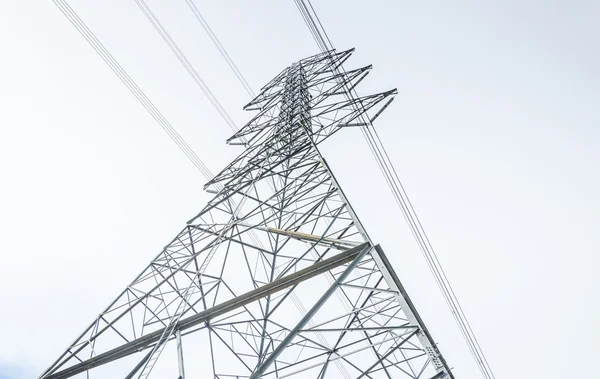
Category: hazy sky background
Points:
column 494, row 132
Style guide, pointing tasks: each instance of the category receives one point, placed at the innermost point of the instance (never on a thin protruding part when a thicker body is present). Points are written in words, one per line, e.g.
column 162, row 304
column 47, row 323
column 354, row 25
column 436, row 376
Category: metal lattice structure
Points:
column 276, row 273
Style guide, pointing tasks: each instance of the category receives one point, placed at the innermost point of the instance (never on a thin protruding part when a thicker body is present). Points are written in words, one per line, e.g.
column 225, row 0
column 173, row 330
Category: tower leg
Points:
column 180, row 355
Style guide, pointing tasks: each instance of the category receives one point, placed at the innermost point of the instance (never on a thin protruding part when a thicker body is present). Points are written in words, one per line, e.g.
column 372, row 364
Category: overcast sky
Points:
column 494, row 133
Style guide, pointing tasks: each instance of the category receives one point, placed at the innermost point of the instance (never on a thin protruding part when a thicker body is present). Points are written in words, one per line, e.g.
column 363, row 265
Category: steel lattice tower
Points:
column 276, row 273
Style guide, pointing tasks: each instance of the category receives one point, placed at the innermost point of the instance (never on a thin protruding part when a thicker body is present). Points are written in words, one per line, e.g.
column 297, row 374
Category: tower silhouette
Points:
column 276, row 273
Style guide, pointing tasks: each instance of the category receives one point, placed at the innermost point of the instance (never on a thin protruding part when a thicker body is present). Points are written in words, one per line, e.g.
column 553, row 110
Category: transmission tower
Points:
column 276, row 277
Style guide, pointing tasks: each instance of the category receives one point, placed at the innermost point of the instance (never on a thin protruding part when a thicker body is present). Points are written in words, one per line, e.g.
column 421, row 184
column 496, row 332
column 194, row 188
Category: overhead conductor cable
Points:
column 93, row 41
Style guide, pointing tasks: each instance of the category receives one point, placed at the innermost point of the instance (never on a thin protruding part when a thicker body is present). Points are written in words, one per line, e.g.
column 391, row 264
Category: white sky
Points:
column 494, row 132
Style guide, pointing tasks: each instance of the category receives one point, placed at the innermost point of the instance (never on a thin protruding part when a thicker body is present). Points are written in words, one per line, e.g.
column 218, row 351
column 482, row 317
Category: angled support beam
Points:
column 439, row 375
column 335, row 242
column 411, row 311
column 137, row 367
column 309, row 315
column 180, row 355
column 220, row 309
column 384, row 357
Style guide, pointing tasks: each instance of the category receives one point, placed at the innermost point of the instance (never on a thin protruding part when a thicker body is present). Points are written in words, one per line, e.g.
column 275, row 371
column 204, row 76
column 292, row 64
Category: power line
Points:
column 187, row 65
column 216, row 41
column 311, row 25
column 395, row 185
column 118, row 70
column 220, row 47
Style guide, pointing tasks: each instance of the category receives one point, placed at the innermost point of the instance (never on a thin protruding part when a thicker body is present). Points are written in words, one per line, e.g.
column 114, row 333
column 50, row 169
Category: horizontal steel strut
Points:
column 337, row 243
